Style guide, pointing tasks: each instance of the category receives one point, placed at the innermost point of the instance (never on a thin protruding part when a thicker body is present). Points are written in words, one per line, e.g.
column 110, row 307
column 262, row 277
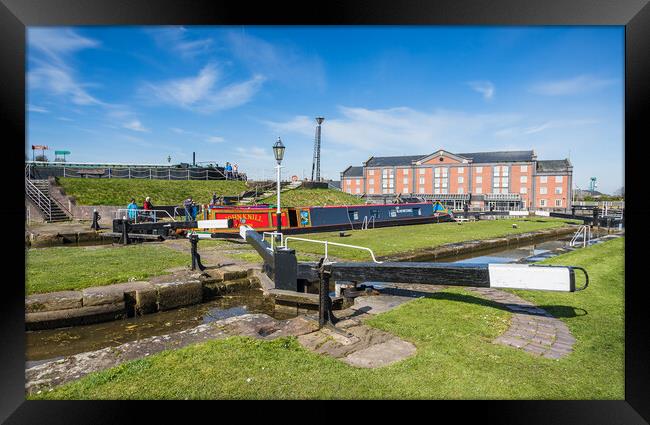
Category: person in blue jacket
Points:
column 132, row 209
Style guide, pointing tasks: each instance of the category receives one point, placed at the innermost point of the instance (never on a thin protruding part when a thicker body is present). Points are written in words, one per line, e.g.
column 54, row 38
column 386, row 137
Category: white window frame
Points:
column 436, row 172
column 523, row 179
column 542, row 202
column 461, row 180
column 371, row 172
column 558, row 190
column 371, row 190
column 479, row 179
column 524, row 168
column 421, row 190
column 405, row 181
column 558, row 179
column 479, row 169
column 496, row 171
column 461, row 170
column 460, row 190
column 558, row 203
column 543, row 190
column 358, row 190
column 421, row 180
column 478, row 190
column 422, row 170
column 523, row 190
column 543, row 179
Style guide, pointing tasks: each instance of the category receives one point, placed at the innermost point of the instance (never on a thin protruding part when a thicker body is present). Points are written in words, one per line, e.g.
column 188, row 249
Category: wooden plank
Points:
column 133, row 236
column 453, row 274
column 297, row 297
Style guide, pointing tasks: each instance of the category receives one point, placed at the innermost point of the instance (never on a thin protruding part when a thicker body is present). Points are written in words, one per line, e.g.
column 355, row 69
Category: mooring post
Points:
column 125, row 231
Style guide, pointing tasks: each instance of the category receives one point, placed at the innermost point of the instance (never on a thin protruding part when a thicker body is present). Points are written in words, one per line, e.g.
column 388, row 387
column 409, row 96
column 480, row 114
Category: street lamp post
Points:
column 278, row 152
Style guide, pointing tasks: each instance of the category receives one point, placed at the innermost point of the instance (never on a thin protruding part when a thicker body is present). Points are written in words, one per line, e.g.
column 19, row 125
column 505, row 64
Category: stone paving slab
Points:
column 382, row 354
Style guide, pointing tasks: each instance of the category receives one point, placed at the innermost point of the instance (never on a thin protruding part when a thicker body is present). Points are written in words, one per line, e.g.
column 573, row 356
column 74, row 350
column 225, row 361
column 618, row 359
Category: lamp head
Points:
column 278, row 151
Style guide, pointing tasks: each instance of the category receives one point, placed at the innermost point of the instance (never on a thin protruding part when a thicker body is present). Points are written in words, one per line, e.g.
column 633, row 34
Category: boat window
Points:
column 375, row 213
column 416, row 211
column 354, row 215
column 392, row 212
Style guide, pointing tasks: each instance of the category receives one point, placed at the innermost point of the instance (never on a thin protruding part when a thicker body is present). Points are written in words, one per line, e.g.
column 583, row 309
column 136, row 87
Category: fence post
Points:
column 129, row 172
column 206, row 174
column 109, row 172
column 169, row 174
column 149, row 173
column 188, row 173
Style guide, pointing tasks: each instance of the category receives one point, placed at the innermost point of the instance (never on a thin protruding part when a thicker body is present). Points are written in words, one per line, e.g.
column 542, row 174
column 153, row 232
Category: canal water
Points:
column 56, row 343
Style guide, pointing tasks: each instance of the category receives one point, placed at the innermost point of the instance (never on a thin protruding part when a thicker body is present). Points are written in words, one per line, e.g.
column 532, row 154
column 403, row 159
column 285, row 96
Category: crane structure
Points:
column 315, row 166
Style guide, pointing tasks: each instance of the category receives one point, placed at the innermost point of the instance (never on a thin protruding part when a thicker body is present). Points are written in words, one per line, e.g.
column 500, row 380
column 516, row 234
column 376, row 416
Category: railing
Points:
column 367, row 221
column 42, row 201
column 143, row 215
column 327, row 244
column 585, row 231
column 273, row 237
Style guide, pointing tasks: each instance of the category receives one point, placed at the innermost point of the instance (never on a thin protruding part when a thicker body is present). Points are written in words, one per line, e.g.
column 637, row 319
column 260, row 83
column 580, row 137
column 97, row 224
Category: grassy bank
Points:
column 63, row 268
column 313, row 197
column 388, row 241
column 455, row 357
column 162, row 192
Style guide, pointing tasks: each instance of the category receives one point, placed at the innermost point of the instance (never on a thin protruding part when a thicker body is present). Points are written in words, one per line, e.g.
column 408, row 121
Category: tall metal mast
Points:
column 315, row 166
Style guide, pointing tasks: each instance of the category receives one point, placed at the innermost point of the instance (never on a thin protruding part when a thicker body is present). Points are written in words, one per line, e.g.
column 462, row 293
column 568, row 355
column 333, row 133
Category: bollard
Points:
column 196, row 258
column 125, row 231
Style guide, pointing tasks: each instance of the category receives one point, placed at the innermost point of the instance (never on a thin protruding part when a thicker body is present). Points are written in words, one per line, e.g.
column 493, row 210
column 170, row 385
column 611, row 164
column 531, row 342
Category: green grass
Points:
column 63, row 268
column 313, row 197
column 162, row 192
column 455, row 358
column 388, row 241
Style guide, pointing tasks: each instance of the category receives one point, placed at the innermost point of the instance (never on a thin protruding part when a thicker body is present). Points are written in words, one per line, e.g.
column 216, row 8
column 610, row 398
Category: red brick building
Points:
column 511, row 180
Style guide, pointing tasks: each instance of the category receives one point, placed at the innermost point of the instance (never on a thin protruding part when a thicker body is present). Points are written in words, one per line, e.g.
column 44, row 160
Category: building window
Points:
column 523, row 179
column 444, row 182
column 558, row 202
column 505, row 170
column 558, row 179
column 558, row 190
column 437, row 192
column 436, row 183
column 524, row 168
column 523, row 190
column 421, row 180
column 497, row 171
column 479, row 190
column 444, row 172
column 461, row 170
column 358, row 190
column 496, row 182
column 405, row 171
column 354, row 215
column 479, row 179
column 406, row 180
column 504, row 181
column 460, row 190
column 436, row 172
column 479, row 169
column 542, row 179
column 542, row 190
column 421, row 171
column 461, row 179
column 371, row 172
column 371, row 190
column 358, row 182
column 421, row 190
column 542, row 202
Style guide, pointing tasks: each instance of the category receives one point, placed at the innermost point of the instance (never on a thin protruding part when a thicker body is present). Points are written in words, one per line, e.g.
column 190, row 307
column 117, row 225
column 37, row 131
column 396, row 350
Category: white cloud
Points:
column 388, row 131
column 284, row 63
column 200, row 94
column 486, row 88
column 255, row 153
column 215, row 139
column 520, row 131
column 59, row 81
column 135, row 125
column 57, row 43
column 178, row 40
column 34, row 108
column 579, row 84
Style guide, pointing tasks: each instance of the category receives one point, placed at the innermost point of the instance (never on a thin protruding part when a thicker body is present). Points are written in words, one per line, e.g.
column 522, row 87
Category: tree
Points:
column 41, row 158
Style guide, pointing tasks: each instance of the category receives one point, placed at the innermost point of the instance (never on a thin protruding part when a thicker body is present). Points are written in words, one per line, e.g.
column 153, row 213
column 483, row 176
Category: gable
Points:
column 442, row 157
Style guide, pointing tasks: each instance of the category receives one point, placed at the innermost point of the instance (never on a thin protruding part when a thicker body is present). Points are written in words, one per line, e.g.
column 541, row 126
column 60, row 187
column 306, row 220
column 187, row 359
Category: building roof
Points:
column 553, row 165
column 353, row 172
column 391, row 161
column 502, row 156
column 476, row 157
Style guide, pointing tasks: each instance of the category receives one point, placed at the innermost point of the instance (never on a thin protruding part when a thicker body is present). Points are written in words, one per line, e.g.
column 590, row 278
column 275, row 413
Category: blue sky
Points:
column 139, row 94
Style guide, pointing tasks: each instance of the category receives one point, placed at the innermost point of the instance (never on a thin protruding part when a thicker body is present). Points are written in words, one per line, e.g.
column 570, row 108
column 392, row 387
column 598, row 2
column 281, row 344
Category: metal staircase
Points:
column 38, row 191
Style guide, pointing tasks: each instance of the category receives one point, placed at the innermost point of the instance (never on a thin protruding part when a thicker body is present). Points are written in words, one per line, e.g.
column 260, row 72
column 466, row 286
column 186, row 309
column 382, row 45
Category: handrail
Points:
column 327, row 243
column 273, row 236
column 36, row 195
column 138, row 213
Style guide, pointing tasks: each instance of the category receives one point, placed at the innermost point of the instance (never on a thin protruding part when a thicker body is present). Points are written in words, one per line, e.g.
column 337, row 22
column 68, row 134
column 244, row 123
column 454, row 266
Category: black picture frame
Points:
column 16, row 15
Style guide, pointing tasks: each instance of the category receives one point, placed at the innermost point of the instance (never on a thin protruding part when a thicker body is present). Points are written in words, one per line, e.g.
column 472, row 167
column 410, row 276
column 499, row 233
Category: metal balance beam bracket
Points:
column 325, row 315
column 196, row 258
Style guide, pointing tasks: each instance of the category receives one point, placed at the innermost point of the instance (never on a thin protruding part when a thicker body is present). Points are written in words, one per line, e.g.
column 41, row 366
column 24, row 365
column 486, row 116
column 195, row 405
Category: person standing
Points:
column 132, row 210
column 228, row 170
column 148, row 209
column 235, row 171
column 188, row 208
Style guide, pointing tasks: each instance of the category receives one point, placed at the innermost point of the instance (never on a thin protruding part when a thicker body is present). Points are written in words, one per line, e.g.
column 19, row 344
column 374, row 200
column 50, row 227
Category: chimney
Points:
column 193, row 159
